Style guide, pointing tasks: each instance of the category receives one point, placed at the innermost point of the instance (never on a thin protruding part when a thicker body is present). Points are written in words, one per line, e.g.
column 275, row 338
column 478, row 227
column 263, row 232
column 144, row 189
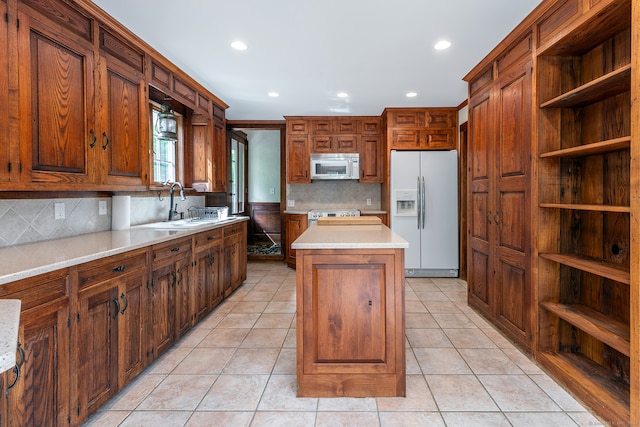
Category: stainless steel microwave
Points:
column 335, row 166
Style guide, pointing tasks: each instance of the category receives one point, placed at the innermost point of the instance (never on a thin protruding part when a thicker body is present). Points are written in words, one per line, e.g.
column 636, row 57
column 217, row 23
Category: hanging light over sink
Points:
column 167, row 123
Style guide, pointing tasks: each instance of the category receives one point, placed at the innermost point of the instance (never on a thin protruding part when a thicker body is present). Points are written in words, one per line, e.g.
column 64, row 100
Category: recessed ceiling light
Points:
column 274, row 94
column 411, row 94
column 442, row 44
column 342, row 94
column 238, row 45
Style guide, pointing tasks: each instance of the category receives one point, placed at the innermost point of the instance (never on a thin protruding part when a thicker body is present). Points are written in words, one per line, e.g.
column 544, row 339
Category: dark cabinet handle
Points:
column 16, row 370
column 115, row 299
column 173, row 274
column 489, row 217
column 105, row 140
column 175, row 249
column 495, row 218
column 210, row 238
column 119, row 269
column 211, row 258
column 126, row 303
column 179, row 276
column 95, row 138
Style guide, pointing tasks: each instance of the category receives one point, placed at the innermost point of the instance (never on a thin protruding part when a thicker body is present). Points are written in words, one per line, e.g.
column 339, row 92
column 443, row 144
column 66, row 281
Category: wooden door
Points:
column 295, row 225
column 131, row 326
column 480, row 209
column 371, row 158
column 512, row 198
column 99, row 309
column 123, row 131
column 42, row 392
column 8, row 162
column 57, row 131
column 298, row 159
column 202, row 283
column 219, row 151
column 183, row 287
column 202, row 149
column 161, row 313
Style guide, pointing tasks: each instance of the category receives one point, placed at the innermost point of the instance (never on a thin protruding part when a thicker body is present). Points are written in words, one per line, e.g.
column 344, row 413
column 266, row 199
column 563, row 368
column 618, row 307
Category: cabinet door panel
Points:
column 131, row 350
column 123, row 138
column 161, row 314
column 56, row 83
column 98, row 358
column 8, row 161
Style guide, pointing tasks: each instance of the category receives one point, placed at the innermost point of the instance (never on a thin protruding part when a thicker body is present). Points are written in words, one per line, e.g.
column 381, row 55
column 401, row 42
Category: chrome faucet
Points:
column 174, row 210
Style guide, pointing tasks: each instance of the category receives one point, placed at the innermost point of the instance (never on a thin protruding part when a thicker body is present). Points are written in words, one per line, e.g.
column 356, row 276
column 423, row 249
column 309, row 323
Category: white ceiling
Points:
column 308, row 51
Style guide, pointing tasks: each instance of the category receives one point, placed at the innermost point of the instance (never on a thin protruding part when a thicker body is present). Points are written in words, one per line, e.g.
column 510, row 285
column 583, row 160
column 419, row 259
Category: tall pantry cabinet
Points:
column 577, row 277
column 499, row 201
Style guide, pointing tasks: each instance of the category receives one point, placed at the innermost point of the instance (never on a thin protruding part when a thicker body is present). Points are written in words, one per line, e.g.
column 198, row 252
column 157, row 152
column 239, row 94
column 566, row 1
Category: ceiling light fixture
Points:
column 342, row 94
column 273, row 94
column 411, row 94
column 238, row 45
column 442, row 44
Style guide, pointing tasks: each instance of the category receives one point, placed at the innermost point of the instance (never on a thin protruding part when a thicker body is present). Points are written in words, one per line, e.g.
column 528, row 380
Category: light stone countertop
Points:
column 9, row 324
column 349, row 237
column 31, row 259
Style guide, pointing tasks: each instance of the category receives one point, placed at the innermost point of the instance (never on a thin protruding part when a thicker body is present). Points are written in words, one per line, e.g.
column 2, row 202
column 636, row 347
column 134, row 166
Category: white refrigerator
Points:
column 424, row 210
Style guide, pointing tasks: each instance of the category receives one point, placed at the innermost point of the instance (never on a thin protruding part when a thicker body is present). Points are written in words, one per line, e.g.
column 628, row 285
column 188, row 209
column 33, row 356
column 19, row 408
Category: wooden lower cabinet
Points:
column 350, row 323
column 235, row 257
column 41, row 395
column 110, row 320
column 88, row 330
column 295, row 225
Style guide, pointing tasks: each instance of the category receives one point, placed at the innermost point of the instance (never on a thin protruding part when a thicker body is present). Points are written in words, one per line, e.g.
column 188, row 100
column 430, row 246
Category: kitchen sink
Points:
column 179, row 224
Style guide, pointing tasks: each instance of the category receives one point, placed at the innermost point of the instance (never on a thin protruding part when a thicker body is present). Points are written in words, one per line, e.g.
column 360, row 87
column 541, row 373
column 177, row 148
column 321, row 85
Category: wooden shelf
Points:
column 591, row 383
column 610, row 84
column 590, row 31
column 587, row 207
column 611, row 332
column 590, row 149
column 598, row 267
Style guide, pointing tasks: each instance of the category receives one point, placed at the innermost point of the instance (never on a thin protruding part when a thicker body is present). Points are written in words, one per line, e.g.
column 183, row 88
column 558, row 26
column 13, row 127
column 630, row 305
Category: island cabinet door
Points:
column 353, row 322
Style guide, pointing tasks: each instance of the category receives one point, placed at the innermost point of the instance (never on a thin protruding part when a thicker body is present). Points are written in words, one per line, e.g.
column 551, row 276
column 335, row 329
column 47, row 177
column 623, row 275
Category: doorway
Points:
column 264, row 183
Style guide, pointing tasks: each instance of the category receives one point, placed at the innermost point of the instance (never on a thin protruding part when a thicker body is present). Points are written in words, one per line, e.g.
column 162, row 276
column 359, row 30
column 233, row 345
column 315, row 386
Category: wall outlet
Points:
column 102, row 207
column 291, row 203
column 58, row 211
column 368, row 202
column 272, row 190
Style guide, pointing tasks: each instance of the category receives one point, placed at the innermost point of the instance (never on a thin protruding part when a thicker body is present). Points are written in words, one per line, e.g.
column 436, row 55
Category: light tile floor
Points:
column 237, row 368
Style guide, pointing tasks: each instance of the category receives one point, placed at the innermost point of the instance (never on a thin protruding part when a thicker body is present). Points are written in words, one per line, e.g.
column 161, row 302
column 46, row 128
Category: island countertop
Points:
column 349, row 237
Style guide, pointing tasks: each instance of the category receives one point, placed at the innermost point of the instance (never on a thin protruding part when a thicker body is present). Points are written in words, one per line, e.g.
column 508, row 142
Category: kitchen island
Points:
column 350, row 310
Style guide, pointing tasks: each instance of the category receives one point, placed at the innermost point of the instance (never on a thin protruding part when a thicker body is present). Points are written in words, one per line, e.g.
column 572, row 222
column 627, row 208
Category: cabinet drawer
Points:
column 297, row 127
column 371, row 126
column 440, row 139
column 39, row 290
column 234, row 229
column 168, row 251
column 322, row 144
column 348, row 126
column 439, row 119
column 347, row 144
column 207, row 238
column 405, row 138
column 111, row 267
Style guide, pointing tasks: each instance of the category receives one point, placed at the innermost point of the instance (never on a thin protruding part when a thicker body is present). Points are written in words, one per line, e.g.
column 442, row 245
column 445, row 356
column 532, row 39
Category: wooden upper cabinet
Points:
column 371, row 158
column 219, row 150
column 421, row 128
column 58, row 134
column 298, row 167
column 9, row 155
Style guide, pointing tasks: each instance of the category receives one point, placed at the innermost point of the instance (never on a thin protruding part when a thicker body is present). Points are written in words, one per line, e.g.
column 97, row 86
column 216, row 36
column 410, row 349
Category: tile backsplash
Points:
column 32, row 220
column 334, row 194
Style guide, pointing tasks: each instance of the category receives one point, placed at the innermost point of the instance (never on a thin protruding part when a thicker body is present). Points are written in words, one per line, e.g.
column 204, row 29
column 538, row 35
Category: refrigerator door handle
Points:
column 419, row 203
column 424, row 203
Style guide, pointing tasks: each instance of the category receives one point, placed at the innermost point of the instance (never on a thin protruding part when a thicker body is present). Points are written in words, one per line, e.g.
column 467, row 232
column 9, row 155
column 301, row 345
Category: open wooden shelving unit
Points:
column 585, row 210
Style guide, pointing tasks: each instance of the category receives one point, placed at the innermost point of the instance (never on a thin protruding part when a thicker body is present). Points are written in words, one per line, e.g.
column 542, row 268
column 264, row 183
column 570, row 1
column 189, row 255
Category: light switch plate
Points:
column 291, row 203
column 102, row 207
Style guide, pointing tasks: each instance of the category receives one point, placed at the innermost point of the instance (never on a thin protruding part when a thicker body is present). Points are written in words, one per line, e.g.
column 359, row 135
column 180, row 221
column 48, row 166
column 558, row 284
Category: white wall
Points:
column 264, row 165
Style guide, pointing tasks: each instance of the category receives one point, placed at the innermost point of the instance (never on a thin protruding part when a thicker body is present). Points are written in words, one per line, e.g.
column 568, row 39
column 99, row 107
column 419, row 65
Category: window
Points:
column 237, row 179
column 167, row 164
